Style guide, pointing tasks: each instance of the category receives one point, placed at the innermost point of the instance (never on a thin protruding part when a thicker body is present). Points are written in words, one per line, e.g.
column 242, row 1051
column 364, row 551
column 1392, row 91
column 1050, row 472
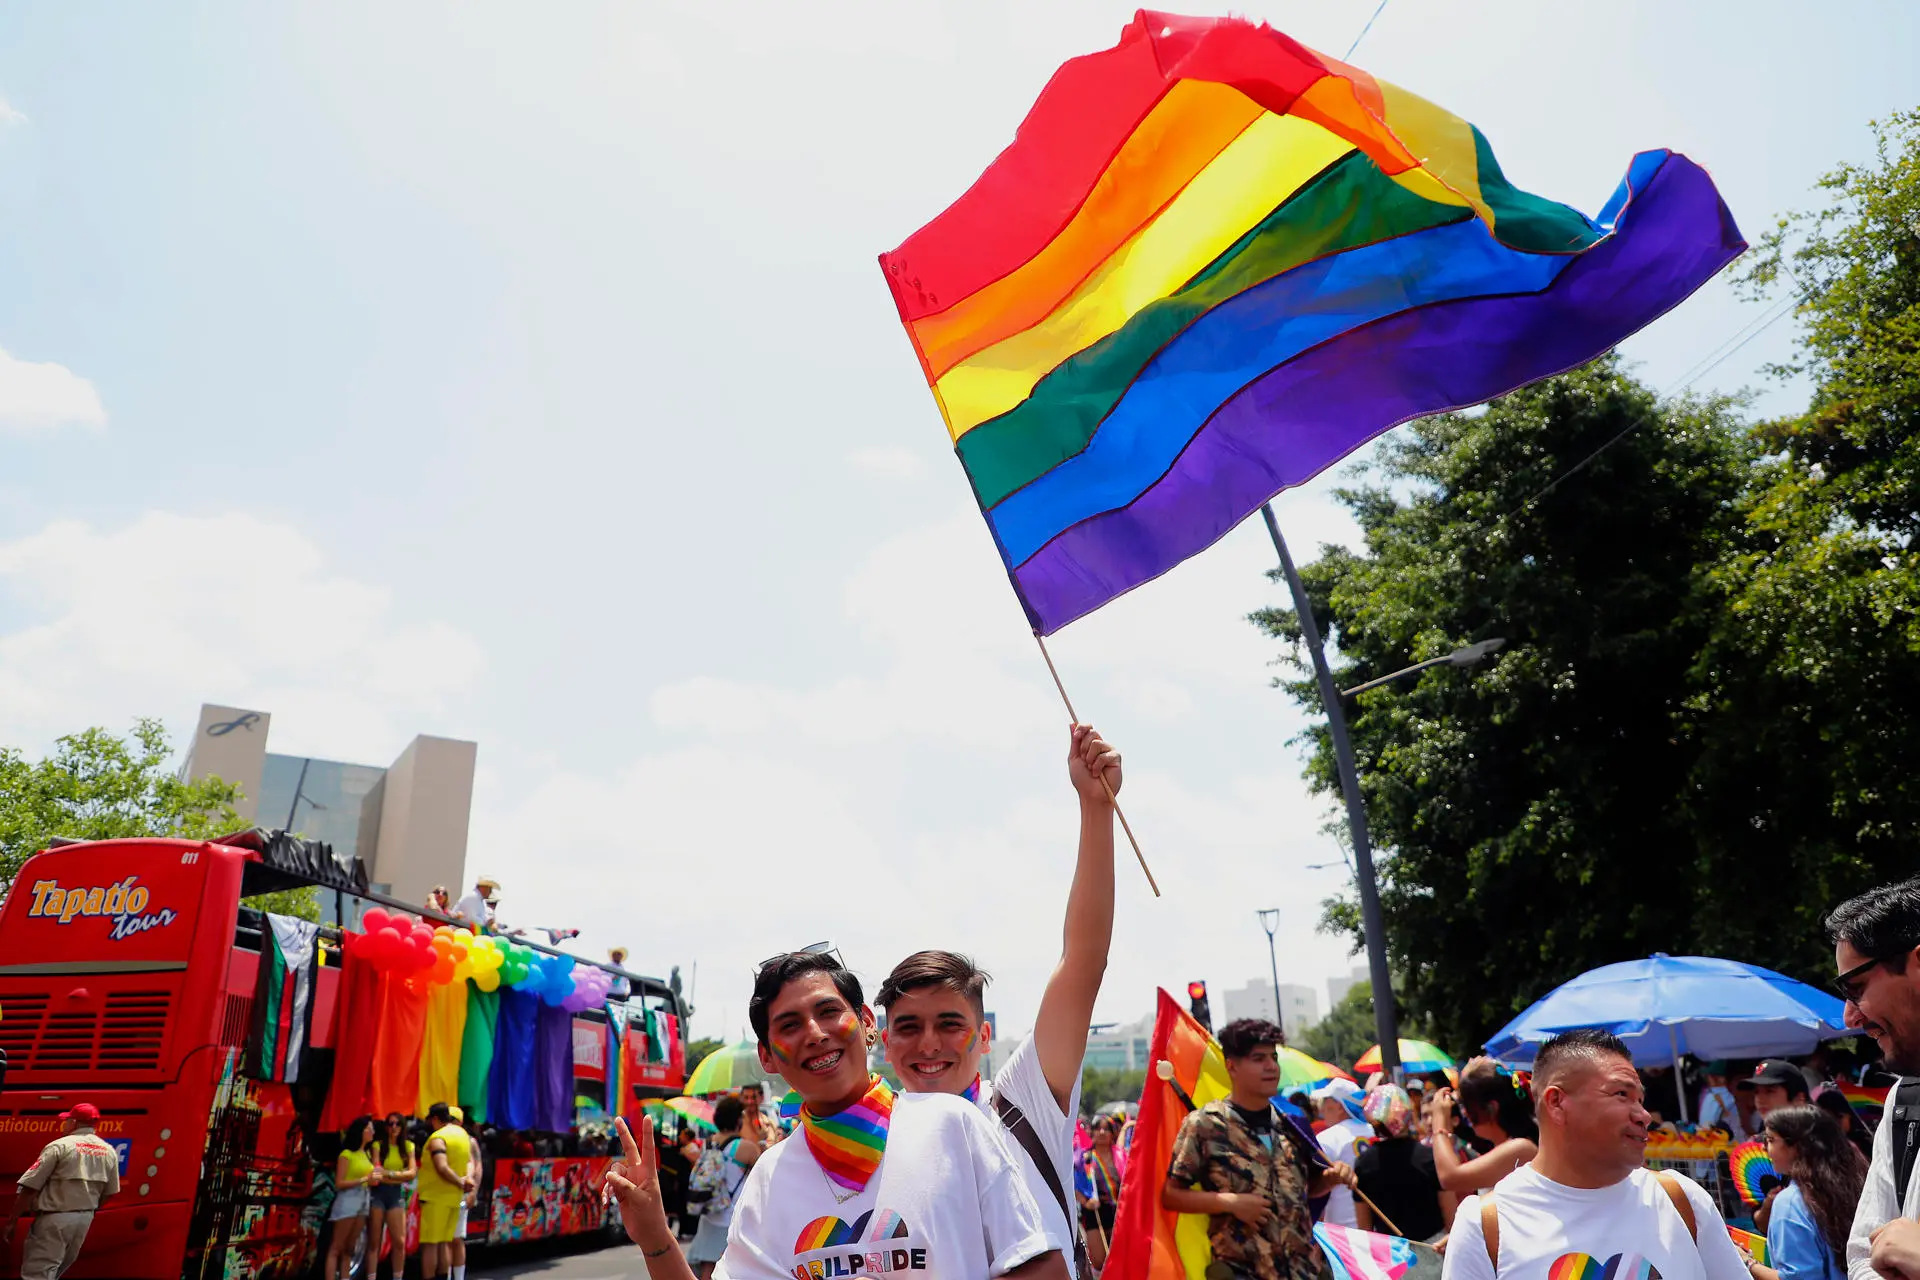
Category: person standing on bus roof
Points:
column 445, row 1181
column 74, row 1173
column 477, row 907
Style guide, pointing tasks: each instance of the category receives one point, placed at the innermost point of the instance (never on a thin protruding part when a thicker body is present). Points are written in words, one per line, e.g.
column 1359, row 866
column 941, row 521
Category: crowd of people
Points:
column 1541, row 1174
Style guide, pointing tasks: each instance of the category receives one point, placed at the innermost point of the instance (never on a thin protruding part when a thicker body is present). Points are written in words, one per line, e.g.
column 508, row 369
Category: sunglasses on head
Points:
column 811, row 949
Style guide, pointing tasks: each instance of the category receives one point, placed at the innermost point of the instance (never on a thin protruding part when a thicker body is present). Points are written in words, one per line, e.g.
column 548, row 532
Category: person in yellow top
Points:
column 447, row 1179
column 74, row 1173
column 399, row 1162
column 353, row 1174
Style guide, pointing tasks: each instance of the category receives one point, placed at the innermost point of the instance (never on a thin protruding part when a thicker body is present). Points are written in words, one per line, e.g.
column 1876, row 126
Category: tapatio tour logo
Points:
column 124, row 902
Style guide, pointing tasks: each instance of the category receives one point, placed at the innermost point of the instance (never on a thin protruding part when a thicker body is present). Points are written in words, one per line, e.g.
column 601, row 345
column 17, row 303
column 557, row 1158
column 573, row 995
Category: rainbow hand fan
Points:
column 1753, row 1174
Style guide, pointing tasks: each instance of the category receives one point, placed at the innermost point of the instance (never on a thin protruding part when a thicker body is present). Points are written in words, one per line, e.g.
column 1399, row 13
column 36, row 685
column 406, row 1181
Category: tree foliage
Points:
column 1699, row 735
column 95, row 785
column 1347, row 1030
column 1101, row 1085
column 697, row 1051
column 1806, row 697
column 1522, row 807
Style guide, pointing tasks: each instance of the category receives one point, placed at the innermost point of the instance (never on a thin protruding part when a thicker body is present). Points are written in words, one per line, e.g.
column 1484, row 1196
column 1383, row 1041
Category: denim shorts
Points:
column 390, row 1195
column 351, row 1203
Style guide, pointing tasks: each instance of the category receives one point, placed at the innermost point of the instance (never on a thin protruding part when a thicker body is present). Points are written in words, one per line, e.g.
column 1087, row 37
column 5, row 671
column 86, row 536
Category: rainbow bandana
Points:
column 848, row 1145
column 972, row 1092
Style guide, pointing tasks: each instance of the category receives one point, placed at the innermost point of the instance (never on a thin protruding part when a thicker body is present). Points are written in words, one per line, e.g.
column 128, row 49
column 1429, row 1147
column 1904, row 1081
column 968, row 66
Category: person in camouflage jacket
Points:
column 1239, row 1162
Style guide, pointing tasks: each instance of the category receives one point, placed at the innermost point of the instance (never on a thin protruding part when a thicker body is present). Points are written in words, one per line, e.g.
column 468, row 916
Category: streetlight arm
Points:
column 1404, row 671
column 1465, row 656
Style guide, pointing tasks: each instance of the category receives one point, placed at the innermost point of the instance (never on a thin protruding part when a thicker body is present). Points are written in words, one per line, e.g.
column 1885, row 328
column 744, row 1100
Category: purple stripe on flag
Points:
column 1289, row 425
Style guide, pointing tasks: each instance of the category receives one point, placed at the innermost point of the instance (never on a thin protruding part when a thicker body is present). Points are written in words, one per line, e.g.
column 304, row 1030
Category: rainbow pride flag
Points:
column 1868, row 1103
column 1213, row 262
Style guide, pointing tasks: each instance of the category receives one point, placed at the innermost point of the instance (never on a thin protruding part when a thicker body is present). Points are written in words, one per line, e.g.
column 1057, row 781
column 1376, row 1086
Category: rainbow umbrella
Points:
column 1415, row 1055
column 698, row 1110
column 1300, row 1072
column 725, row 1070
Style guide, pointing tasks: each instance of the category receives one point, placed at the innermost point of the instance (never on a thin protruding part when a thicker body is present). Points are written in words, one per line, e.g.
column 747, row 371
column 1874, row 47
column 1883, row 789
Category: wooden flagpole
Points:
column 1118, row 811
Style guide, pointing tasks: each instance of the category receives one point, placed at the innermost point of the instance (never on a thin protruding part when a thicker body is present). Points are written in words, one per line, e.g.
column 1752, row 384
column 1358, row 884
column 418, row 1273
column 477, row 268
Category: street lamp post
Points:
column 1270, row 921
column 1385, row 1024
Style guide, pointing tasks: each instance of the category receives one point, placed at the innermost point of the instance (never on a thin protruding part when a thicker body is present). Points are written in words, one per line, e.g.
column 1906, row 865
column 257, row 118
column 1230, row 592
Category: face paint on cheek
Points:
column 846, row 1025
column 973, row 1038
column 780, row 1053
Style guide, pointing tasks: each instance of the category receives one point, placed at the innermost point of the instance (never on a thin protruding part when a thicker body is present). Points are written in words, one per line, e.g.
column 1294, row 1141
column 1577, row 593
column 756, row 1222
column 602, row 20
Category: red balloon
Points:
column 422, row 933
column 375, row 919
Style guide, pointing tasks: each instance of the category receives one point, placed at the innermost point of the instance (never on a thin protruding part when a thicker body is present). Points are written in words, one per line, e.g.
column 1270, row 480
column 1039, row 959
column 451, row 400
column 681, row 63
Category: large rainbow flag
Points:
column 1147, row 1240
column 1213, row 262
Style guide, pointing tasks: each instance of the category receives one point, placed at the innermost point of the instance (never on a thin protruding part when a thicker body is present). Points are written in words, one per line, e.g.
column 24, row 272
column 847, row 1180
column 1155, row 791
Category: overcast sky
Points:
column 524, row 374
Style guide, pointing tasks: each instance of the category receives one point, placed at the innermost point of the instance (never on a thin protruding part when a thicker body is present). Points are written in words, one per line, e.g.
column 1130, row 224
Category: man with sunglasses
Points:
column 1875, row 940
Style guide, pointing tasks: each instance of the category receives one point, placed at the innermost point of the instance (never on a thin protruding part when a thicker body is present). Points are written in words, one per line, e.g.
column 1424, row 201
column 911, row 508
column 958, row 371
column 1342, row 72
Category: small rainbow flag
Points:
column 1867, row 1102
column 1753, row 1173
column 1754, row 1246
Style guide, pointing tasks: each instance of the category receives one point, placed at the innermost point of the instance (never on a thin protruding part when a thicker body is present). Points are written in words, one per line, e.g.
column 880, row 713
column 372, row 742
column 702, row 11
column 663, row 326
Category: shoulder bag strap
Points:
column 1023, row 1132
column 1490, row 1228
column 1670, row 1183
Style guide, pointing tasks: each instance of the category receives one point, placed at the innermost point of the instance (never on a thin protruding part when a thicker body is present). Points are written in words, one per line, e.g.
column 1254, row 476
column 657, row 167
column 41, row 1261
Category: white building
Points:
column 1113, row 1046
column 1299, row 1007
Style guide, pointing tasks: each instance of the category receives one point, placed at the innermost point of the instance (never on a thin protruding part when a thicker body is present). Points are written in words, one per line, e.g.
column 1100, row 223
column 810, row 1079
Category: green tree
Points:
column 1527, row 811
column 1807, row 694
column 96, row 785
column 1346, row 1032
column 697, row 1051
column 1101, row 1085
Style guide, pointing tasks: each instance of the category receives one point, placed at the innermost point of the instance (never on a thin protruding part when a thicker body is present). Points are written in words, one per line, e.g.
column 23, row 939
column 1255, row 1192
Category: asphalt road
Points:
column 620, row 1262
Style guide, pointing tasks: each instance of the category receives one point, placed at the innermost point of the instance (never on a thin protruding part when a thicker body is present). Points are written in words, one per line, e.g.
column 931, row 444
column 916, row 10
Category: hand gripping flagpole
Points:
column 1118, row 811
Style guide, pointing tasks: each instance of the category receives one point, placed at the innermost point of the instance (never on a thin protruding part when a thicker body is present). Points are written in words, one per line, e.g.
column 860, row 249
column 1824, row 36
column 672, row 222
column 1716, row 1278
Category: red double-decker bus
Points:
column 128, row 972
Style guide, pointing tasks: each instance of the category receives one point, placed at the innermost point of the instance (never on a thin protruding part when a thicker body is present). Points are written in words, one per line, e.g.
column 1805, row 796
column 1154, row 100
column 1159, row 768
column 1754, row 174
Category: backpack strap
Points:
column 1903, row 1113
column 1670, row 1183
column 1490, row 1228
column 1023, row 1132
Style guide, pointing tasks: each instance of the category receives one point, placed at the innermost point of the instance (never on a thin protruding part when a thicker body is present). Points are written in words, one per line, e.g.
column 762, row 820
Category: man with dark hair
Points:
column 1237, row 1161
column 1587, row 1200
column 1875, row 936
column 872, row 1182
column 1775, row 1083
column 937, row 1029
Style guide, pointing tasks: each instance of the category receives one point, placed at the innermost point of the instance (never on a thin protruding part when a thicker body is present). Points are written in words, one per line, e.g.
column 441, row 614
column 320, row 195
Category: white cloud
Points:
column 39, row 396
column 158, row 615
column 10, row 114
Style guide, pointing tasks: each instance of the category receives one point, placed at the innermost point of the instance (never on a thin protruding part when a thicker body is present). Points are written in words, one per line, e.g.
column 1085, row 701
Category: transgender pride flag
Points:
column 1364, row 1255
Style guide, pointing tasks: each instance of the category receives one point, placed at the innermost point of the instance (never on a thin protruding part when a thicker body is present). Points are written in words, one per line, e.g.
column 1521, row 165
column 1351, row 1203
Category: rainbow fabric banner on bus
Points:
column 1213, row 262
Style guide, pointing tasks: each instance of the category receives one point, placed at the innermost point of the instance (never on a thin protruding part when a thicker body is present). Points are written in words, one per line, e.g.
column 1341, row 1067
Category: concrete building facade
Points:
column 407, row 822
column 1299, row 1006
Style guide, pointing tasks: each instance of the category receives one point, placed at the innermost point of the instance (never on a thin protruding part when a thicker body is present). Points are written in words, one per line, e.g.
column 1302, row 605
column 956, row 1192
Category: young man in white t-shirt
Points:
column 870, row 1182
column 1587, row 1206
column 937, row 1032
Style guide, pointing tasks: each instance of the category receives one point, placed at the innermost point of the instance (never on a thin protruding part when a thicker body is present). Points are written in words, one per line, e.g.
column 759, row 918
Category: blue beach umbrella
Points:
column 1668, row 1006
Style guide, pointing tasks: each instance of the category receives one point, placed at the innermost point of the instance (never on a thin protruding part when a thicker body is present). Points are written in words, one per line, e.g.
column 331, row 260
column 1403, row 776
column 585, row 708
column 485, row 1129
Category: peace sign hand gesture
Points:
column 633, row 1181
